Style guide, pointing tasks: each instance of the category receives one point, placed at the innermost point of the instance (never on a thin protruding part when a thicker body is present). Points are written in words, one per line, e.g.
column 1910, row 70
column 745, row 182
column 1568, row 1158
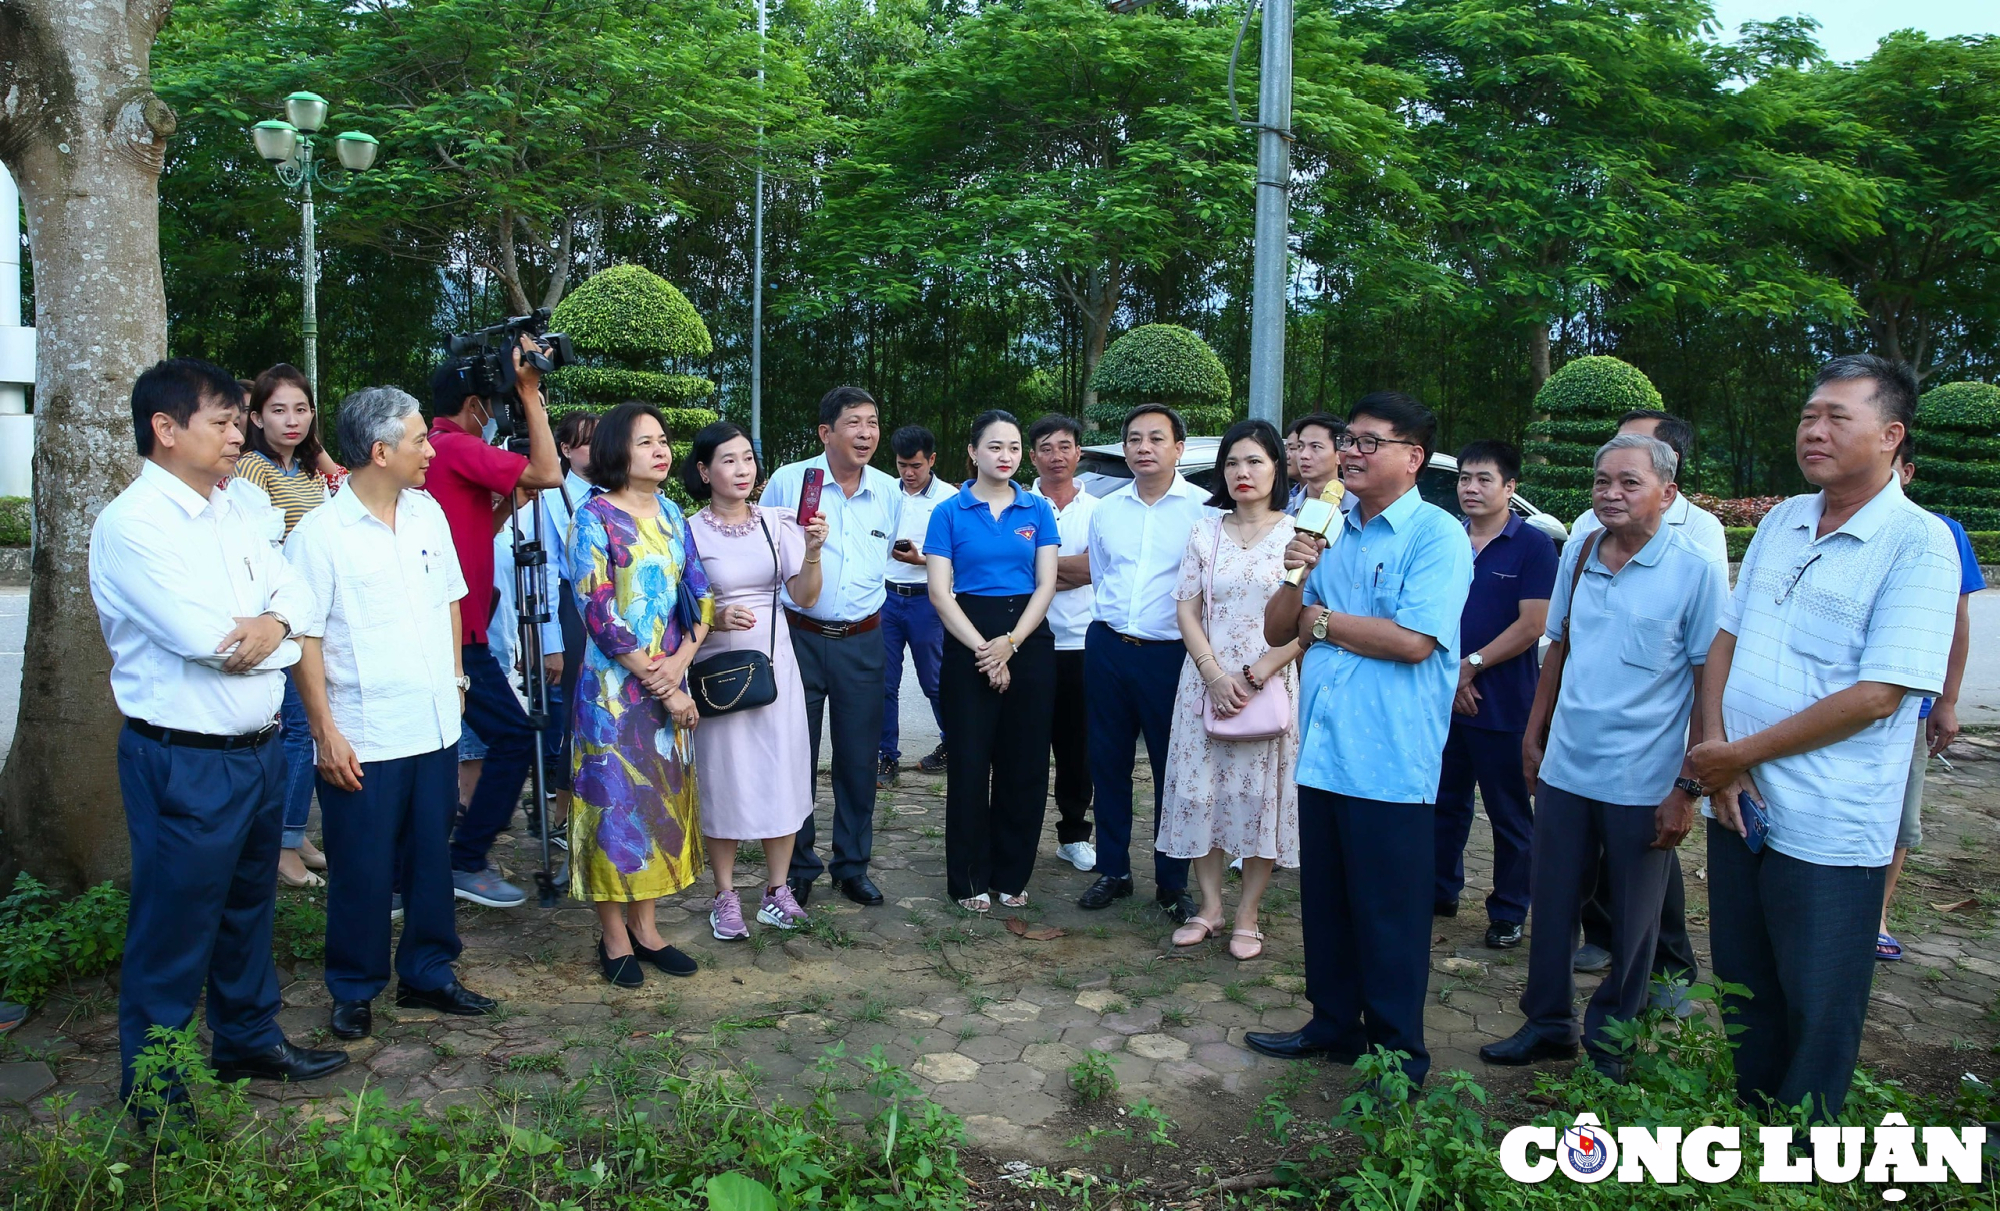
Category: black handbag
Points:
column 728, row 682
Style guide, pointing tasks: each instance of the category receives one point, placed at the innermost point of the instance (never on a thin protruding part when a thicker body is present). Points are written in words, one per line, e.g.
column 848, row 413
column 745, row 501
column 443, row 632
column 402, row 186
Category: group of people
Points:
column 1316, row 689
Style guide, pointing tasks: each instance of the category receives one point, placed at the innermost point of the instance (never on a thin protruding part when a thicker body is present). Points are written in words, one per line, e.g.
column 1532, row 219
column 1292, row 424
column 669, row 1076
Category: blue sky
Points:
column 1849, row 28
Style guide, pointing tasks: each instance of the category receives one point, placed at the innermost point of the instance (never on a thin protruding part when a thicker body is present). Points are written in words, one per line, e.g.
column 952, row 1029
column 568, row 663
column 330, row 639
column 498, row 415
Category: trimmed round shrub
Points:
column 1597, row 387
column 1160, row 364
column 1201, row 420
column 1958, row 452
column 1583, row 401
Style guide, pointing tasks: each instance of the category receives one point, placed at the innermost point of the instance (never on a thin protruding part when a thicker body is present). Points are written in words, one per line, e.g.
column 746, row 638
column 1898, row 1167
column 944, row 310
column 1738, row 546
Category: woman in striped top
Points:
column 284, row 458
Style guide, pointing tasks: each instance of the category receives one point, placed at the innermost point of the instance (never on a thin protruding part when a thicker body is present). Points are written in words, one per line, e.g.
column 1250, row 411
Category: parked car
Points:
column 1102, row 471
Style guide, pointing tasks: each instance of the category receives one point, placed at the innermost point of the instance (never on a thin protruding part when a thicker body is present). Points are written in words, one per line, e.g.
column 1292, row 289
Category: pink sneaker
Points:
column 780, row 909
column 725, row 918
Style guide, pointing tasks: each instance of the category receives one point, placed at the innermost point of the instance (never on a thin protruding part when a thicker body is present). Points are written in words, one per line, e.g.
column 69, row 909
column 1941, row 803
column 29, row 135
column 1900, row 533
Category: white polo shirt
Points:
column 1135, row 557
column 1876, row 600
column 914, row 523
column 383, row 613
column 1070, row 612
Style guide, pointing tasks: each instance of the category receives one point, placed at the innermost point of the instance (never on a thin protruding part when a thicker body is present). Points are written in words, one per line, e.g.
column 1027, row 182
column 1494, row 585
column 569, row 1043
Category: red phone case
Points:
column 809, row 495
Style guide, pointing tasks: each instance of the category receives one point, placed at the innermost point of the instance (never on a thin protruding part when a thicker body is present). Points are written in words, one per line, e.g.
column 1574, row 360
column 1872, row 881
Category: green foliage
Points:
column 600, row 387
column 1738, row 538
column 1093, row 1078
column 298, row 926
column 631, row 314
column 665, row 1130
column 45, row 939
column 1958, row 465
column 1597, row 388
column 1160, row 363
column 1986, row 545
column 17, row 527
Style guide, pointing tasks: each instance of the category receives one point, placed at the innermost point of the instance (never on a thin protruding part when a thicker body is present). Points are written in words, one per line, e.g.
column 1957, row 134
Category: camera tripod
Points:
column 532, row 609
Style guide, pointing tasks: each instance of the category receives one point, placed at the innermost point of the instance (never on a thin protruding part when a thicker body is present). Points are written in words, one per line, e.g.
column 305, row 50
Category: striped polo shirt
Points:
column 295, row 494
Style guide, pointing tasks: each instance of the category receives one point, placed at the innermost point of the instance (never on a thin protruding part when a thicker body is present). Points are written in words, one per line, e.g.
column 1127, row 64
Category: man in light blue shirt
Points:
column 1629, row 636
column 1841, row 621
column 1380, row 614
column 840, row 653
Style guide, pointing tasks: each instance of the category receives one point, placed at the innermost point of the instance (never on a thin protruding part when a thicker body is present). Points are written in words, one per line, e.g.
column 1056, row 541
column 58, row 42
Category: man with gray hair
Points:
column 383, row 687
column 1634, row 610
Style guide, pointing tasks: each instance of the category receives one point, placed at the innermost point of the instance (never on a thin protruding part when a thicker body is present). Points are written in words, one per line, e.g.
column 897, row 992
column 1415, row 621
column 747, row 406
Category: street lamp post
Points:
column 288, row 146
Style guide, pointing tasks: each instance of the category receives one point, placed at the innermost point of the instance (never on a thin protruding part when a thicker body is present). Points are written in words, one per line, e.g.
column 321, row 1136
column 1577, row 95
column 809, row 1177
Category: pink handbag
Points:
column 1268, row 714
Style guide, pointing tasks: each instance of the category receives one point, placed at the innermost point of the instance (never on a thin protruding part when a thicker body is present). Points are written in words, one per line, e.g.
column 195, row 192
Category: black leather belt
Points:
column 167, row 735
column 834, row 630
column 1122, row 637
column 907, row 590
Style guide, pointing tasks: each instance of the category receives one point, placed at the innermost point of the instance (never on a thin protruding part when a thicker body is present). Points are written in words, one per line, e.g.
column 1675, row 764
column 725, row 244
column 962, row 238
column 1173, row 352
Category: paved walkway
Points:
column 990, row 1019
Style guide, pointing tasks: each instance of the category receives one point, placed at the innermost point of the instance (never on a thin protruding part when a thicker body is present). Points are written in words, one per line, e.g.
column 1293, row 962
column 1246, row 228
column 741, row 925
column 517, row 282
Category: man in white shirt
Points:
column 908, row 618
column 1841, row 622
column 840, row 656
column 1673, row 957
column 196, row 607
column 1055, row 443
column 1133, row 651
column 383, row 683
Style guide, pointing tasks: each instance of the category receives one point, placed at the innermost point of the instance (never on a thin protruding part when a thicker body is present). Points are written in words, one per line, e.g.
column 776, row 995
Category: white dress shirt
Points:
column 1135, row 557
column 1070, row 612
column 855, row 560
column 255, row 502
column 171, row 570
column 382, row 610
column 914, row 523
column 1696, row 524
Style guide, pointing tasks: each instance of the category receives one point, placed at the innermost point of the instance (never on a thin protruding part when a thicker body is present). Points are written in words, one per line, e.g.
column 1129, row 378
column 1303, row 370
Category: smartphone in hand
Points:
column 809, row 495
column 905, row 545
column 1756, row 825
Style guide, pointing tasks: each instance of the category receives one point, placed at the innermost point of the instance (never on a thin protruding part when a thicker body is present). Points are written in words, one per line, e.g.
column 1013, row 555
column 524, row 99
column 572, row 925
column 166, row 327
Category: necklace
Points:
column 734, row 529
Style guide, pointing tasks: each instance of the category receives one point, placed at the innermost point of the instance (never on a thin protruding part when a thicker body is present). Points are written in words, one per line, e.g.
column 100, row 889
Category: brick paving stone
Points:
column 1157, row 1047
column 946, row 1066
column 23, row 1080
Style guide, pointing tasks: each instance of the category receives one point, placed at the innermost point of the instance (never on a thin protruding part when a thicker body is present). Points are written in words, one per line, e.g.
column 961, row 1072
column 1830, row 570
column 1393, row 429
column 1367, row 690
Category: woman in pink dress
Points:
column 756, row 764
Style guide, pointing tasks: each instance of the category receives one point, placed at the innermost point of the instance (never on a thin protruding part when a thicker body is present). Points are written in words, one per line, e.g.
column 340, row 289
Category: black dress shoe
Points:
column 352, row 1020
column 1293, row 1045
column 281, row 1062
column 667, row 959
column 1609, row 1067
column 1176, row 903
column 454, row 998
column 802, row 890
column 861, row 889
column 1445, row 908
column 1503, row 935
column 1107, row 888
column 1525, row 1047
column 624, row 971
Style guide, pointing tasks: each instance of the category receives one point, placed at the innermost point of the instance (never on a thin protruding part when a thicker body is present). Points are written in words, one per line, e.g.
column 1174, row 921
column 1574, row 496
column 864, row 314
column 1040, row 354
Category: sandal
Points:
column 1245, row 953
column 1196, row 931
column 1020, row 901
column 980, row 903
column 309, row 880
column 1887, row 948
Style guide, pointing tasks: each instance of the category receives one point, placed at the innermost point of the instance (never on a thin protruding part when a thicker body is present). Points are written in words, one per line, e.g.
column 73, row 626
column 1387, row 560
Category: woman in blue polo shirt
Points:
column 992, row 561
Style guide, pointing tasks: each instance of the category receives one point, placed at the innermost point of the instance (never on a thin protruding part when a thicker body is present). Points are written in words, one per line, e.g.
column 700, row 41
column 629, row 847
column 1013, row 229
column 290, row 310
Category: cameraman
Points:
column 472, row 482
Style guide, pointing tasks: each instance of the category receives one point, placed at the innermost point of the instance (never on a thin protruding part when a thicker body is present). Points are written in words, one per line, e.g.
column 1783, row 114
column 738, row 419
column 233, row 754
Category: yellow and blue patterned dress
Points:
column 634, row 831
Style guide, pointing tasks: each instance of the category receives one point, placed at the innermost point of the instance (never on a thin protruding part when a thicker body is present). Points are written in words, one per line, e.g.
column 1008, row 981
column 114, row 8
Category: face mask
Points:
column 488, row 430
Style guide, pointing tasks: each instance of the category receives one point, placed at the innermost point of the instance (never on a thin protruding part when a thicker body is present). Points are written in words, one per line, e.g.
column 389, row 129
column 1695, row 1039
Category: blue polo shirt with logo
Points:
column 992, row 556
column 1518, row 565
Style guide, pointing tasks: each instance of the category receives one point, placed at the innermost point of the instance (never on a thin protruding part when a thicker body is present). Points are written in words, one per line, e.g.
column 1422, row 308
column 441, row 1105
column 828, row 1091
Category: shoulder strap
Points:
column 777, row 579
column 1576, row 577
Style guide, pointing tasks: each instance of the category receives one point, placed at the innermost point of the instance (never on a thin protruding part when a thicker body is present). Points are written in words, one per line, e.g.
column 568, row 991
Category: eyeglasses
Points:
column 1367, row 443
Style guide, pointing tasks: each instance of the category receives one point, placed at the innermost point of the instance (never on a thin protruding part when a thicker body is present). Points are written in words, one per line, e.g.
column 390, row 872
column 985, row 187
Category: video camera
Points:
column 489, row 355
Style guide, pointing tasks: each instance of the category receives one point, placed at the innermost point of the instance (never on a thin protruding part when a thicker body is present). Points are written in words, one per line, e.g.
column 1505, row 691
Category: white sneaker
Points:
column 1080, row 854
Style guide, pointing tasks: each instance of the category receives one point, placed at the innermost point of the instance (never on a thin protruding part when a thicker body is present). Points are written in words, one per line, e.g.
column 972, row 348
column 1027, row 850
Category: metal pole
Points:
column 757, row 271
column 1274, row 194
column 311, row 324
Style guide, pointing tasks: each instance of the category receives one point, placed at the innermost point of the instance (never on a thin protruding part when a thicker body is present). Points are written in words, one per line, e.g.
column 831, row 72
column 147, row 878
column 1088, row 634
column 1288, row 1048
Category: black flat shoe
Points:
column 1293, row 1045
column 1176, row 903
column 1107, row 888
column 351, row 1020
column 1525, row 1047
column 860, row 889
column 624, row 971
column 1445, row 908
column 667, row 959
column 454, row 998
column 1503, row 935
column 281, row 1062
column 802, row 890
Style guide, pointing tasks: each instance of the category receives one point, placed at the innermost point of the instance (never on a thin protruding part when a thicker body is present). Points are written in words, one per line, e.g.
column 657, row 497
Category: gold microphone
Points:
column 1318, row 515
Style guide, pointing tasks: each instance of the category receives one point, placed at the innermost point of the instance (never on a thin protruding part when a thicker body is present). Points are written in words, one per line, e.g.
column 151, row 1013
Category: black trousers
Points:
column 1069, row 740
column 399, row 821
column 843, row 683
column 1673, row 954
column 1573, row 834
column 997, row 765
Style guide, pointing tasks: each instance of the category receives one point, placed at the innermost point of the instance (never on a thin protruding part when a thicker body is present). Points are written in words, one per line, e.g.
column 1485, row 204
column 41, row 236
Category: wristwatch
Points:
column 464, row 683
column 1319, row 627
column 282, row 621
column 1476, row 660
column 1691, row 787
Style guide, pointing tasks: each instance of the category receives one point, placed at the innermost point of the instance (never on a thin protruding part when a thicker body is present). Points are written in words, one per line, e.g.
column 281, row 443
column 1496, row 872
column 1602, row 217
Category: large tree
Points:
column 84, row 136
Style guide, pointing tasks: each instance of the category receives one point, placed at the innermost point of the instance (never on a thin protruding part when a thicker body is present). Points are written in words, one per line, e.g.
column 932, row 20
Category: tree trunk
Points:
column 85, row 138
column 507, row 264
column 1099, row 306
column 1538, row 355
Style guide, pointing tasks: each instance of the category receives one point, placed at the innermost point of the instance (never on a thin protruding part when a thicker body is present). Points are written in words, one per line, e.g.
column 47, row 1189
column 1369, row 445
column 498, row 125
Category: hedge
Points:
column 1583, row 400
column 1160, row 363
column 1597, row 387
column 630, row 314
column 1957, row 438
column 16, row 521
column 1985, row 543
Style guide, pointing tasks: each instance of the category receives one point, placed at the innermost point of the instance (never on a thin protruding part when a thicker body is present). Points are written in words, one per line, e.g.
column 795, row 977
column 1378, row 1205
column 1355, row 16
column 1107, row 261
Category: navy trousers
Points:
column 204, row 826
column 1367, row 919
column 400, row 818
column 1492, row 760
column 1801, row 938
column 493, row 712
column 1069, row 743
column 1131, row 694
column 843, row 680
column 300, row 754
column 910, row 622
